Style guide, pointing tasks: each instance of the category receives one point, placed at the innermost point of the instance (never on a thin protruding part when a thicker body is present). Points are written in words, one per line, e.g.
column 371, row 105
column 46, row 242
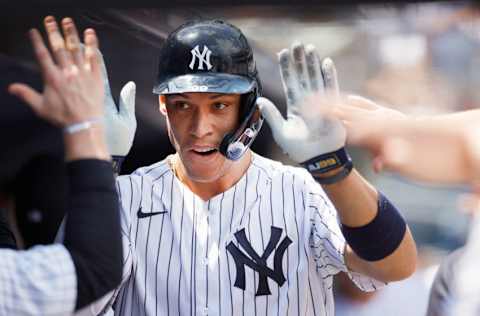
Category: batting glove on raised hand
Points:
column 120, row 122
column 308, row 136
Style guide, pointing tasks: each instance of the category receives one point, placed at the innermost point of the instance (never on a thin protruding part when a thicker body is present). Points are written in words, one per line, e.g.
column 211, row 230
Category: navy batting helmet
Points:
column 213, row 56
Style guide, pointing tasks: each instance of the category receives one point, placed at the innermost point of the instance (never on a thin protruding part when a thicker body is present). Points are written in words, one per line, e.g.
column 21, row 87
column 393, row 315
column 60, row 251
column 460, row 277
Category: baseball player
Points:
column 58, row 279
column 216, row 229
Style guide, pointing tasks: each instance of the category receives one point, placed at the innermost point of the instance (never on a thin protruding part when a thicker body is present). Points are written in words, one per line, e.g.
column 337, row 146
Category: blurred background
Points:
column 420, row 58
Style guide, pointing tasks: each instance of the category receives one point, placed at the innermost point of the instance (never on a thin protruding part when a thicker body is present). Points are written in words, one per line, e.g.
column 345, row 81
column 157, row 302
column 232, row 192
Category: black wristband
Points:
column 328, row 162
column 379, row 238
column 342, row 174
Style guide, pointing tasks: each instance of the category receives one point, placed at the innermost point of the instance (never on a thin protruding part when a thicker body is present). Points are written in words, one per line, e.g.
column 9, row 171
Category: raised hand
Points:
column 73, row 88
column 120, row 123
column 307, row 132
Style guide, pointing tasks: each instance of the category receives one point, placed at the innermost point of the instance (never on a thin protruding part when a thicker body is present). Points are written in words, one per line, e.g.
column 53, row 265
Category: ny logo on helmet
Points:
column 203, row 57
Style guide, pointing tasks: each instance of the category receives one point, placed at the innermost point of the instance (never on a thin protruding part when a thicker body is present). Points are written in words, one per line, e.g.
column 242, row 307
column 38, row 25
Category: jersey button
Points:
column 205, row 261
column 205, row 311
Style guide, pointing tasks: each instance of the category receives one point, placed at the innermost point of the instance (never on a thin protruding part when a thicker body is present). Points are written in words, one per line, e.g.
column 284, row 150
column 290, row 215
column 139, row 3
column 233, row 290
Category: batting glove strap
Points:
column 327, row 162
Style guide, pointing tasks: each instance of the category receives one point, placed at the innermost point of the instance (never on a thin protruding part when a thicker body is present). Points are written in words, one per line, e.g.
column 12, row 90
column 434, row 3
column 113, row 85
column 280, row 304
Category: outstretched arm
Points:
column 379, row 242
column 72, row 99
column 414, row 146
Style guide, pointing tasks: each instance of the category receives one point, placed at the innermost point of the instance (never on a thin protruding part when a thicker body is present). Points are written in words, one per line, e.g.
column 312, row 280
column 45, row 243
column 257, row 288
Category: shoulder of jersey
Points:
column 276, row 168
column 149, row 172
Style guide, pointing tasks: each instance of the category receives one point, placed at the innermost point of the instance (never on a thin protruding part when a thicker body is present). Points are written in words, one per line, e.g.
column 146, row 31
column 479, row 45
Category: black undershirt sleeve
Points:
column 7, row 239
column 92, row 231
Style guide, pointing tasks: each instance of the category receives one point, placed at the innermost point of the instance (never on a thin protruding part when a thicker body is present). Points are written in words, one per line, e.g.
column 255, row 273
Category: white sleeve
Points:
column 327, row 242
column 103, row 306
column 38, row 281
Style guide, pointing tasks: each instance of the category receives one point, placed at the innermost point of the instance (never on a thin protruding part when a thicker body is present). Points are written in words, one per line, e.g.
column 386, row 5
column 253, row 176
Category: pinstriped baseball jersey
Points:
column 269, row 245
column 39, row 281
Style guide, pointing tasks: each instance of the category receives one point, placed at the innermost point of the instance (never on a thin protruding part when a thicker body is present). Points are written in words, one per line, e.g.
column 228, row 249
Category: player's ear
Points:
column 162, row 104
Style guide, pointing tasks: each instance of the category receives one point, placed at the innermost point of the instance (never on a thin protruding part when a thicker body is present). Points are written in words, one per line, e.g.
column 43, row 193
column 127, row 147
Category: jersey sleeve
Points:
column 39, row 281
column 326, row 241
column 127, row 189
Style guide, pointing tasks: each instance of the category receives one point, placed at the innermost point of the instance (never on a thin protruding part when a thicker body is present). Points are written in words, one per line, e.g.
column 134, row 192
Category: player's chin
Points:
column 204, row 175
column 207, row 170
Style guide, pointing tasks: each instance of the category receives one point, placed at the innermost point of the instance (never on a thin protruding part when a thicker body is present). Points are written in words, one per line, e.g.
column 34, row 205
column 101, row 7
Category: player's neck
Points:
column 207, row 190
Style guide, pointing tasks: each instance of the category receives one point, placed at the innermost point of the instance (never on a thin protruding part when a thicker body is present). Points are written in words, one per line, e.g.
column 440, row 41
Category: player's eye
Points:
column 220, row 106
column 182, row 105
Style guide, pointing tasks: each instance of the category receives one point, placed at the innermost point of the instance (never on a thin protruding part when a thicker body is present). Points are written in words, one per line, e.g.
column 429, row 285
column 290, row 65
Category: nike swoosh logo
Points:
column 141, row 214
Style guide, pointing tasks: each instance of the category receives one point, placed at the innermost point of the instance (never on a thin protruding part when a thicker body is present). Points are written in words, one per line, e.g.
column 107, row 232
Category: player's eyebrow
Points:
column 219, row 95
column 182, row 95
column 212, row 97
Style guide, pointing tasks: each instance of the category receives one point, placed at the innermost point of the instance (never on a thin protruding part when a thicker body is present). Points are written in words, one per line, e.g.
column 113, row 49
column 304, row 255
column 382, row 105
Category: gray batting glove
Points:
column 307, row 132
column 120, row 123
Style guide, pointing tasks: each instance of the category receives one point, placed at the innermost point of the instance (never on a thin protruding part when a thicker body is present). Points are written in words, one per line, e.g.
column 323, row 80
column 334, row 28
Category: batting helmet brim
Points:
column 206, row 82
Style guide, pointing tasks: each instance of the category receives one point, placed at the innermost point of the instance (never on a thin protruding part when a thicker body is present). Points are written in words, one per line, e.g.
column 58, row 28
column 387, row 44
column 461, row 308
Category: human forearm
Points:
column 92, row 233
column 391, row 256
column 417, row 148
column 414, row 146
column 354, row 198
column 86, row 144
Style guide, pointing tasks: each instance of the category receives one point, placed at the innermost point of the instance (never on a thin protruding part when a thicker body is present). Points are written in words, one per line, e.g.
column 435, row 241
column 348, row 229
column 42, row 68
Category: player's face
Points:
column 197, row 123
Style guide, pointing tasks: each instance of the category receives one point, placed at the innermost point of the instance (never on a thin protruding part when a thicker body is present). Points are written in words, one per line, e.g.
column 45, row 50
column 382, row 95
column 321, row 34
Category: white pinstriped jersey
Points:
column 38, row 281
column 270, row 245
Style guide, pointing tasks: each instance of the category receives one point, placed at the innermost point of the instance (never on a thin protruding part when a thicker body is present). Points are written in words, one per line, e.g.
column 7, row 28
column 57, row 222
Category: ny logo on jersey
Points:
column 259, row 263
column 203, row 57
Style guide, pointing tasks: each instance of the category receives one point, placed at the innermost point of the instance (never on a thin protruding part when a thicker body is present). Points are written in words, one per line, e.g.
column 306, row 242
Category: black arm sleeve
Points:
column 92, row 232
column 7, row 239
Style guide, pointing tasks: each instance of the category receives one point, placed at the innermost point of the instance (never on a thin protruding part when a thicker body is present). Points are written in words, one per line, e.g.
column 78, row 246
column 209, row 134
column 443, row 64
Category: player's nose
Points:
column 201, row 124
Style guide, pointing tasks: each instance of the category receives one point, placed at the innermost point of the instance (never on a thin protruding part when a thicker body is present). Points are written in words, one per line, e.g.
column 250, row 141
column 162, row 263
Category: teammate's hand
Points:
column 307, row 132
column 367, row 125
column 73, row 90
column 120, row 122
column 365, row 120
column 414, row 147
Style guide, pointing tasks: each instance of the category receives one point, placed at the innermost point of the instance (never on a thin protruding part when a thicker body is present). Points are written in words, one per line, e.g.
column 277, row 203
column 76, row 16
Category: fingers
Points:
column 42, row 54
column 57, row 44
column 127, row 100
column 290, row 82
column 345, row 111
column 299, row 64
column 72, row 40
column 330, row 78
column 272, row 116
column 377, row 164
column 103, row 68
column 27, row 95
column 93, row 60
column 361, row 102
column 313, row 68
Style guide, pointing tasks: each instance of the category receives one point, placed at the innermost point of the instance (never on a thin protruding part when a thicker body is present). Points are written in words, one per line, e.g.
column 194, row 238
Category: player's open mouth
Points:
column 205, row 152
